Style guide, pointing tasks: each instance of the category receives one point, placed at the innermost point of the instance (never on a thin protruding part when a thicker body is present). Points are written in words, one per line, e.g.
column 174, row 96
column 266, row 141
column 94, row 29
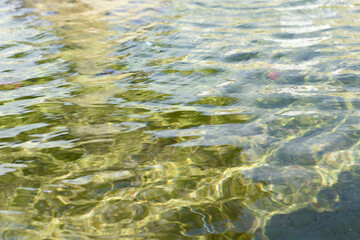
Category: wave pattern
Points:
column 179, row 119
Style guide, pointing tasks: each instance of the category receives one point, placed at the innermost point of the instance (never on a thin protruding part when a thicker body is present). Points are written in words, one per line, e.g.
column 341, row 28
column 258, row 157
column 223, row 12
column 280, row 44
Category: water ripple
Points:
column 178, row 119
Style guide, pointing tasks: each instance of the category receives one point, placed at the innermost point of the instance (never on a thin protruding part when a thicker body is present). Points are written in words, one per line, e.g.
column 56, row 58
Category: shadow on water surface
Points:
column 340, row 223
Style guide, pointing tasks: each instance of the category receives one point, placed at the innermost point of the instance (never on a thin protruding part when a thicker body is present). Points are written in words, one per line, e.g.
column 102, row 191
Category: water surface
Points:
column 175, row 119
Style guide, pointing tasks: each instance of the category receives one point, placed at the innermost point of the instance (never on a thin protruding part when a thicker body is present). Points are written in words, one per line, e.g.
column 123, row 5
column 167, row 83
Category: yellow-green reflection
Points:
column 170, row 119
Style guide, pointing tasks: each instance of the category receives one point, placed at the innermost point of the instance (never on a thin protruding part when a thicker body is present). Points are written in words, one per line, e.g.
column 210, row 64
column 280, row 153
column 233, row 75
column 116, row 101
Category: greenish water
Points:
column 172, row 119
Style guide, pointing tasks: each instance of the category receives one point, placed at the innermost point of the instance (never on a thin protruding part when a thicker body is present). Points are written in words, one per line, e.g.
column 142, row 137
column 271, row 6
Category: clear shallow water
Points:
column 179, row 119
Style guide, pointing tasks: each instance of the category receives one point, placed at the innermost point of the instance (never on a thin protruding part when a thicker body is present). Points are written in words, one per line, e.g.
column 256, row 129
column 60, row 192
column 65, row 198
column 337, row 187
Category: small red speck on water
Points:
column 9, row 86
column 273, row 75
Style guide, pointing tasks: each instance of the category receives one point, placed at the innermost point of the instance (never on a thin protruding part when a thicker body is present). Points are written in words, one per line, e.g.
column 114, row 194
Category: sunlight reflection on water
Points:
column 179, row 119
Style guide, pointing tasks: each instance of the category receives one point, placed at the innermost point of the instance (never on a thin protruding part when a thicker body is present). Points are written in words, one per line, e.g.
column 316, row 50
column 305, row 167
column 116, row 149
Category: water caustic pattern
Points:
column 175, row 119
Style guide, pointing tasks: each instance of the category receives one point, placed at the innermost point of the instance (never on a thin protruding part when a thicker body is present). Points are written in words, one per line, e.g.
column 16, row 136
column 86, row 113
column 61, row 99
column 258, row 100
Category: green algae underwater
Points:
column 172, row 119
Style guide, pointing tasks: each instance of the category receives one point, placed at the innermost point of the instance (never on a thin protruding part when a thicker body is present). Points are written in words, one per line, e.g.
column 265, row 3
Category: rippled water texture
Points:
column 179, row 119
